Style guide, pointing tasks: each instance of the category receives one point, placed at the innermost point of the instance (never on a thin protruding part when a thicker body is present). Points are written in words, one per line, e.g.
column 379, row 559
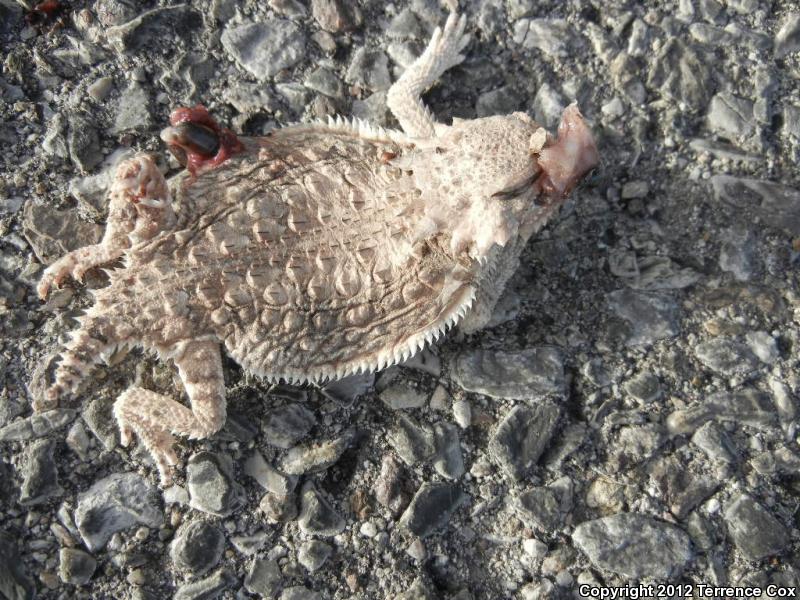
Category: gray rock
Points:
column 448, row 462
column 405, row 25
column 791, row 121
column 238, row 427
column 347, row 389
column 401, row 396
column 462, row 413
column 731, row 116
column 14, row 581
column 10, row 14
column 650, row 272
column 75, row 566
column 681, row 488
column 373, row 109
column 520, row 8
column 647, row 316
column 726, row 356
column 52, row 233
column 737, row 253
column 279, row 508
column 548, row 104
column 644, row 387
column 54, row 142
column 289, row 8
column 763, row 345
column 249, row 98
column 635, row 189
column 522, row 436
column 316, row 457
column 530, row 374
column 197, row 547
column 8, row 493
column 634, row 545
column 99, row 417
column 369, row 69
column 721, row 150
column 212, row 488
column 756, row 533
column 716, row 443
column 158, row 23
column 312, row 555
column 283, row 427
column 566, row 443
column 317, row 516
column 392, row 486
column 404, row 53
column 539, row 508
column 40, row 482
column 249, row 544
column 745, row 407
column 680, row 74
column 787, row 40
column 114, row 504
column 639, row 38
column 325, row 81
column 78, row 440
column 265, row 48
column 745, row 7
column 554, row 37
column 299, row 592
column 205, row 589
column 132, row 112
column 83, row 144
column 37, row 425
column 267, row 476
column 776, row 205
column 502, row 101
column 263, row 578
column 428, row 11
column 595, row 372
column 336, row 16
column 114, row 12
column 633, row 444
column 706, row 33
column 412, row 442
column 431, row 508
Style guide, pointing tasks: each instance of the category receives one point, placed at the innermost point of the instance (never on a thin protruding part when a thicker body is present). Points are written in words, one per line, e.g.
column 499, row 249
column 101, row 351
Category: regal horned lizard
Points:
column 317, row 251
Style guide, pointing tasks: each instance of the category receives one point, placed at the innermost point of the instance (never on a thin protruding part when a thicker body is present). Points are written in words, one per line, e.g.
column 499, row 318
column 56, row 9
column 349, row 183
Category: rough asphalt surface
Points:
column 631, row 415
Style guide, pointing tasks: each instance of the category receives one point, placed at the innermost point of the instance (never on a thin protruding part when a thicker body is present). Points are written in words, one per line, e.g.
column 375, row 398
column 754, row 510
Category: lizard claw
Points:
column 444, row 49
column 55, row 274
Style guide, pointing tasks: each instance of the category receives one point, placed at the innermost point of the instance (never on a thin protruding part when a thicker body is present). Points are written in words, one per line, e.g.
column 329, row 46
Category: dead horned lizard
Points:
column 314, row 252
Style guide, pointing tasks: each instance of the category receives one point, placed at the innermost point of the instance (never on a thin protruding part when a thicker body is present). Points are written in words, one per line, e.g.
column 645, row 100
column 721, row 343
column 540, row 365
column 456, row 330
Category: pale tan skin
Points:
column 318, row 252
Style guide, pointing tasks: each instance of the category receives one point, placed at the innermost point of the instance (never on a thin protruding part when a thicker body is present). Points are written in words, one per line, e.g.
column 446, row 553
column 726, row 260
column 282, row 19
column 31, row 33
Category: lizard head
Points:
column 495, row 178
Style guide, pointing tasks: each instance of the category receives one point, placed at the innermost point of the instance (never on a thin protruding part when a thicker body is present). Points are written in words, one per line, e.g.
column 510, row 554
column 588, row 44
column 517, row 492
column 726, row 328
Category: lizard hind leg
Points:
column 155, row 418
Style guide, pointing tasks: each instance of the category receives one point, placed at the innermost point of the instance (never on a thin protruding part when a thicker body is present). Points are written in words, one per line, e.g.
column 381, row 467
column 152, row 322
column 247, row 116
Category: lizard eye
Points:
column 516, row 189
column 197, row 138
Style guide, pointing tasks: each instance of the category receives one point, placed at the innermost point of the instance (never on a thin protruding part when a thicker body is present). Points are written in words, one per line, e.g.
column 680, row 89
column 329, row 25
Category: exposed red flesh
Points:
column 565, row 162
column 229, row 144
column 44, row 11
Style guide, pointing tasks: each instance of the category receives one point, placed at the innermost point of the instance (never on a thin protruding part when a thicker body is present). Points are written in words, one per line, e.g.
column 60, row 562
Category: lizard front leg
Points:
column 443, row 52
column 139, row 208
column 155, row 418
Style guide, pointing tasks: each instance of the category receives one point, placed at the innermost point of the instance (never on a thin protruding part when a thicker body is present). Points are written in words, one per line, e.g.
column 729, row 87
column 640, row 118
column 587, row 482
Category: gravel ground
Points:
column 630, row 416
